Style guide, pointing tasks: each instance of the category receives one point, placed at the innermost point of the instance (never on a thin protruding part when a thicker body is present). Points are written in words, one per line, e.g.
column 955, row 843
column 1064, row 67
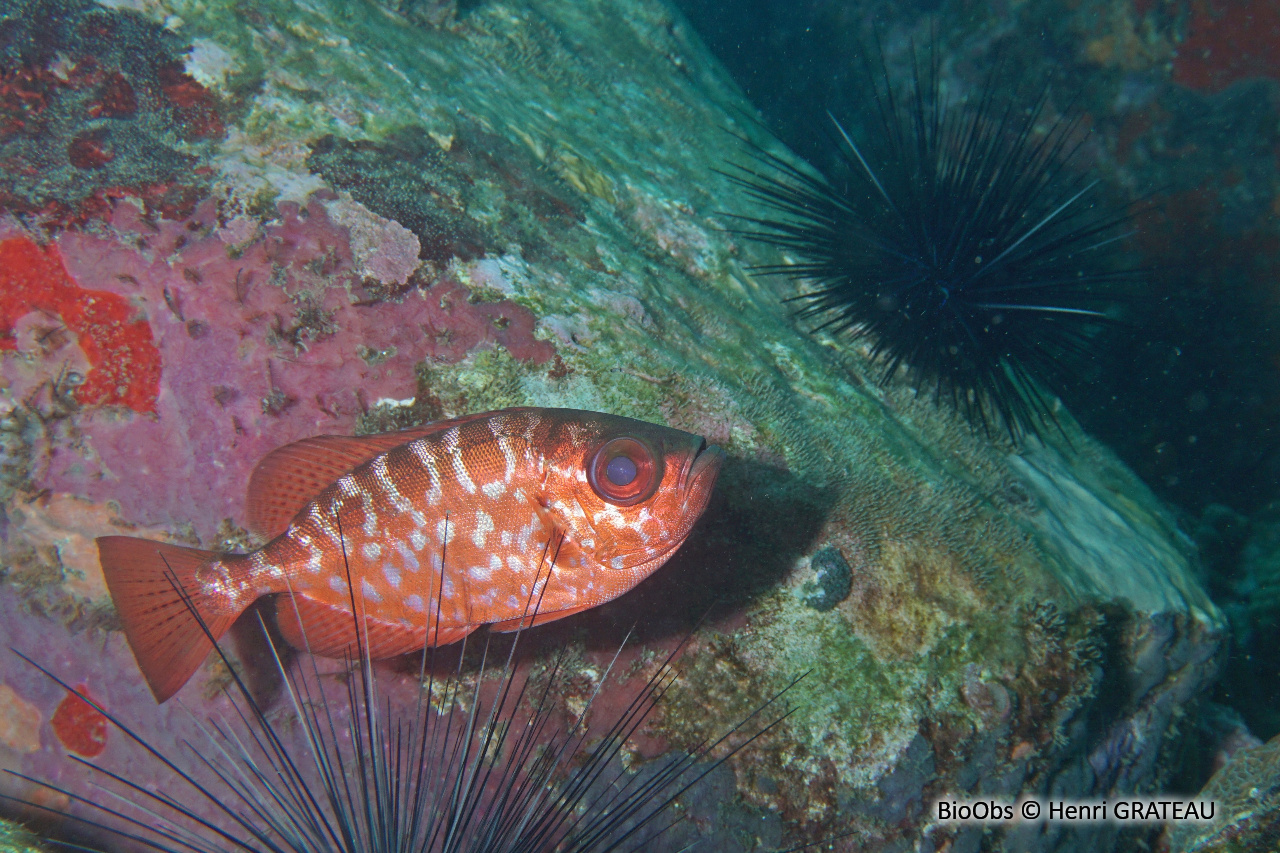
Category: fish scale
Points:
column 428, row 533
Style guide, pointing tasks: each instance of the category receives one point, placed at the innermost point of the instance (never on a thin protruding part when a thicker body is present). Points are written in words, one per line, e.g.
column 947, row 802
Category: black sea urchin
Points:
column 960, row 241
column 468, row 767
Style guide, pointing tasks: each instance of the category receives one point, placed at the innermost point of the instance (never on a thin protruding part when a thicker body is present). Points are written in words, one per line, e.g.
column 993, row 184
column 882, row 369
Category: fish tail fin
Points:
column 170, row 623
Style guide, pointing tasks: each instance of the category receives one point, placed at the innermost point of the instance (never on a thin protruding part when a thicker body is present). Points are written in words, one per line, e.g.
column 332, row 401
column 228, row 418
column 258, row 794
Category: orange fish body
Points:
column 507, row 518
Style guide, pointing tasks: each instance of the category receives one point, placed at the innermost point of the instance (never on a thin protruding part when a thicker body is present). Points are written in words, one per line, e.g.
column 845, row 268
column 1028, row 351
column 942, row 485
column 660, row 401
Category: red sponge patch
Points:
column 81, row 728
column 124, row 361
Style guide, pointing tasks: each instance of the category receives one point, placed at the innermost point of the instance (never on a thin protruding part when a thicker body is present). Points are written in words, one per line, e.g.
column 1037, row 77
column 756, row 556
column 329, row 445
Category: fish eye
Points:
column 621, row 471
column 624, row 471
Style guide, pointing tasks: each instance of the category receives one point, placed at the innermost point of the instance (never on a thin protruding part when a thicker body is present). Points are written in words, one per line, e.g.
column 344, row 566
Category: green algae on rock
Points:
column 1016, row 620
column 15, row 838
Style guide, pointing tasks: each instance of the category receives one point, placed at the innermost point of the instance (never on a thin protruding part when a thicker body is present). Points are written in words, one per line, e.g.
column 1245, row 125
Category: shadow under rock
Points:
column 759, row 522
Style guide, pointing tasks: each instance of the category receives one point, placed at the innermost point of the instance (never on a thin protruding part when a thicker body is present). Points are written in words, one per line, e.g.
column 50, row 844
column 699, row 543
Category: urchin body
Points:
column 962, row 241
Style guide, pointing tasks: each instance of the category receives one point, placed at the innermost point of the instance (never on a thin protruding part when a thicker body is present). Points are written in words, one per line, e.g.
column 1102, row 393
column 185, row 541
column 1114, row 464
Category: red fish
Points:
column 607, row 499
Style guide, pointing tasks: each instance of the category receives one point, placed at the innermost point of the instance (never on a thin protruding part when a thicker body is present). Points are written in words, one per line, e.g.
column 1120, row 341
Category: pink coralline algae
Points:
column 264, row 338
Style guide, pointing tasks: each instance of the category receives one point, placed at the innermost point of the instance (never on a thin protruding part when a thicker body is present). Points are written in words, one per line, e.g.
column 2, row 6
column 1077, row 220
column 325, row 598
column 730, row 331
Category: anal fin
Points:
column 536, row 619
column 328, row 631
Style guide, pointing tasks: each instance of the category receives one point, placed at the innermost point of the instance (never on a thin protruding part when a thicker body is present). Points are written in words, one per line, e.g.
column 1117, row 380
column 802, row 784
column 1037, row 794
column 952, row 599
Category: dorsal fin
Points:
column 289, row 477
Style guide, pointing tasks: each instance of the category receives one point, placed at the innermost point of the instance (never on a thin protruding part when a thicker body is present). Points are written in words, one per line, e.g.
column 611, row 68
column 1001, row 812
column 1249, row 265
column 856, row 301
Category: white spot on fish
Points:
column 381, row 470
column 337, row 584
column 526, row 533
column 413, row 602
column 392, row 574
column 509, row 456
column 479, row 573
column 484, row 526
column 462, row 474
column 611, row 515
column 618, row 562
column 493, row 490
column 371, row 550
column 370, row 594
column 423, row 452
column 409, row 558
column 445, row 530
column 417, row 540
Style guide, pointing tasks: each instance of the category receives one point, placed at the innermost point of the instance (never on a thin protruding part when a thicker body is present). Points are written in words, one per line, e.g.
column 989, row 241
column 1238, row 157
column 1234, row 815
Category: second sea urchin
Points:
column 960, row 239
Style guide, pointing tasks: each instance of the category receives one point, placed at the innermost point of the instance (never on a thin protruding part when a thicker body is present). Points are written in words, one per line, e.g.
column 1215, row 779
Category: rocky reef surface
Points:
column 1246, row 791
column 224, row 227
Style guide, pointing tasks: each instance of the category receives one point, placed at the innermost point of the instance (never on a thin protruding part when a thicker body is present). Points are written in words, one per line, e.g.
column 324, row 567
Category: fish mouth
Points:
column 704, row 470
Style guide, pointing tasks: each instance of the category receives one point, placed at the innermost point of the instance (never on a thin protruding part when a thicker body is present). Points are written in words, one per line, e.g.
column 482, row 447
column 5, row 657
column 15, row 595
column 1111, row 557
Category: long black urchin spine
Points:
column 466, row 768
